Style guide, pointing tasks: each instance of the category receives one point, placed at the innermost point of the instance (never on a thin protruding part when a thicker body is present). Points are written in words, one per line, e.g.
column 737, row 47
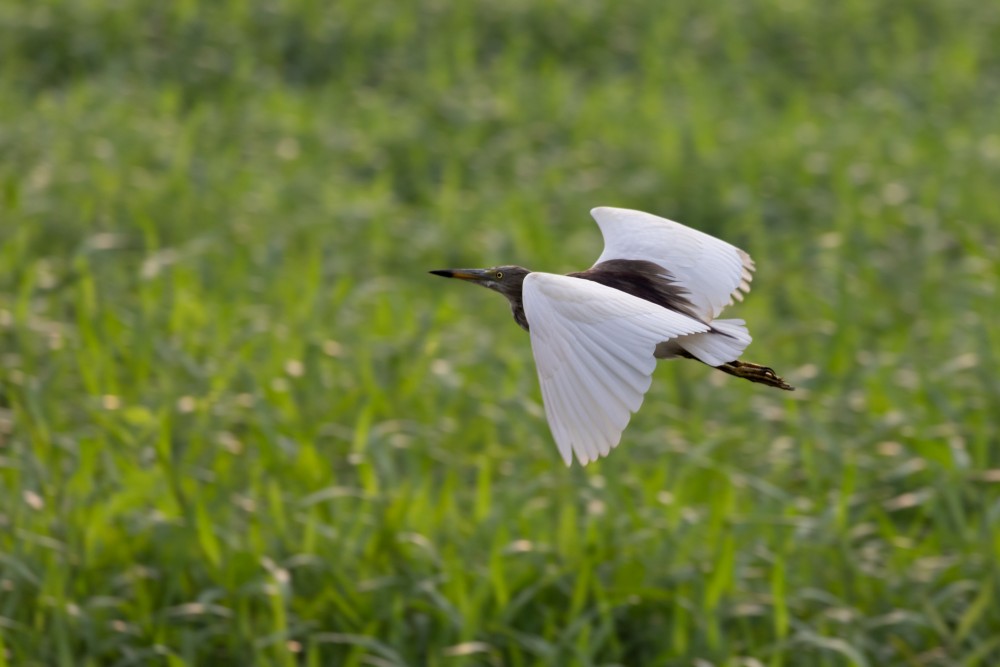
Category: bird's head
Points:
column 504, row 279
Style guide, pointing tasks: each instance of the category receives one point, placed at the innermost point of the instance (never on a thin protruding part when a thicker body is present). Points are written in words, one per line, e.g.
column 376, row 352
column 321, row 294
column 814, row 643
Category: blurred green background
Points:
column 241, row 425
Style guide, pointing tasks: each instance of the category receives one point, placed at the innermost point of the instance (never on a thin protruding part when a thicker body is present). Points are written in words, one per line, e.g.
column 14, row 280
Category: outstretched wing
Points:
column 593, row 347
column 712, row 271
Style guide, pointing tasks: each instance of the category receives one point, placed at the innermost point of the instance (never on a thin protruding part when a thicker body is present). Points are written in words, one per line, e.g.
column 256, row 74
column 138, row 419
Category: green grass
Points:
column 240, row 424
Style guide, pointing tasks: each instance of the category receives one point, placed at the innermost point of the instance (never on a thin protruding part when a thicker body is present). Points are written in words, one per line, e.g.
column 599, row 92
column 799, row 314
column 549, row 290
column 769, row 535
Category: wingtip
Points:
column 602, row 210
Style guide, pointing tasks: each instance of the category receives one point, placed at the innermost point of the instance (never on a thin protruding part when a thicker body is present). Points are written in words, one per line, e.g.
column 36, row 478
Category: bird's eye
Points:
column 499, row 275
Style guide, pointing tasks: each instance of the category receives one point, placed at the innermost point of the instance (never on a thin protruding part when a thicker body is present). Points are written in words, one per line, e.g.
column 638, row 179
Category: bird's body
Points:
column 655, row 292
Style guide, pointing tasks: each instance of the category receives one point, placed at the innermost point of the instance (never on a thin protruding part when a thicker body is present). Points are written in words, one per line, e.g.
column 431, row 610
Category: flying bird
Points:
column 654, row 293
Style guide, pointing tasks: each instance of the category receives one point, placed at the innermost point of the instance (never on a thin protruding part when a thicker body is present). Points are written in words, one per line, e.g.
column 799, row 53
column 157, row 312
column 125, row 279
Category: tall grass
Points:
column 239, row 424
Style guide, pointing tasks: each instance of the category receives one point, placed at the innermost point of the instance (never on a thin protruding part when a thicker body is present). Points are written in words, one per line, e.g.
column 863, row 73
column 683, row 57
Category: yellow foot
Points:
column 755, row 373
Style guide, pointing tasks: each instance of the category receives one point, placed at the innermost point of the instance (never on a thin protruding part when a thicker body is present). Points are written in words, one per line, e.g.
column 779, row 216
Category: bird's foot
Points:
column 755, row 373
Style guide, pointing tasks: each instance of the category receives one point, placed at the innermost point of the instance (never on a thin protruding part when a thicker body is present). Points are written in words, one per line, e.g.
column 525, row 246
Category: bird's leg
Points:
column 747, row 371
column 755, row 373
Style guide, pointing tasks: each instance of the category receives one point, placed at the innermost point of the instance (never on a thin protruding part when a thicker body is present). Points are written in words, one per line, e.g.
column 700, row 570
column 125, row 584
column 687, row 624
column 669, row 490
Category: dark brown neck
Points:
column 517, row 308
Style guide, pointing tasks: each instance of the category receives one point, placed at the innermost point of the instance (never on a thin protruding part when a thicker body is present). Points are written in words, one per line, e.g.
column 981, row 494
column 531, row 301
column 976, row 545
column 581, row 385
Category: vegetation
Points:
column 240, row 424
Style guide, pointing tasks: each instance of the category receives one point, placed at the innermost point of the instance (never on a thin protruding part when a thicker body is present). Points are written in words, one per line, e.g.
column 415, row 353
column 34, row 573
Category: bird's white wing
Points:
column 593, row 347
column 712, row 271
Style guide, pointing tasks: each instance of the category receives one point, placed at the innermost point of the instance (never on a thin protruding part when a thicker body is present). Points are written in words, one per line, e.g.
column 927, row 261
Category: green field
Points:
column 241, row 425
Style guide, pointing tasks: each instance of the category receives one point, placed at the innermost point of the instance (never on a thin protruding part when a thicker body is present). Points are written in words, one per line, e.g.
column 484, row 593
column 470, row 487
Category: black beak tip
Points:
column 447, row 273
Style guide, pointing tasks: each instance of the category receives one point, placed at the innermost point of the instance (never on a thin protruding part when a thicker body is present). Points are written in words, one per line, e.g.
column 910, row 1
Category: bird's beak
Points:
column 475, row 275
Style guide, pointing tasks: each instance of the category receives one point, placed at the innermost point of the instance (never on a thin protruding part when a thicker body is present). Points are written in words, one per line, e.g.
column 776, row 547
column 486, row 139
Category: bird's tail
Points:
column 724, row 343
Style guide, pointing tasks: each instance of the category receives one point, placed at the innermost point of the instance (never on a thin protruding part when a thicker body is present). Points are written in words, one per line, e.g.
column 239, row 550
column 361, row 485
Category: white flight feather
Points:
column 724, row 343
column 593, row 347
column 712, row 271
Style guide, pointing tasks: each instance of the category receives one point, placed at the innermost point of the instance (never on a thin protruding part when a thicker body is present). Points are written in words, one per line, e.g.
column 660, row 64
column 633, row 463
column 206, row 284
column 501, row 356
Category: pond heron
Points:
column 654, row 293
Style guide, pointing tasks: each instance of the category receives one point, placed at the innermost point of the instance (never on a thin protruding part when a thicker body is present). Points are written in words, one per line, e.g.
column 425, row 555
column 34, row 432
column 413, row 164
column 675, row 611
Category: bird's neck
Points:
column 517, row 308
